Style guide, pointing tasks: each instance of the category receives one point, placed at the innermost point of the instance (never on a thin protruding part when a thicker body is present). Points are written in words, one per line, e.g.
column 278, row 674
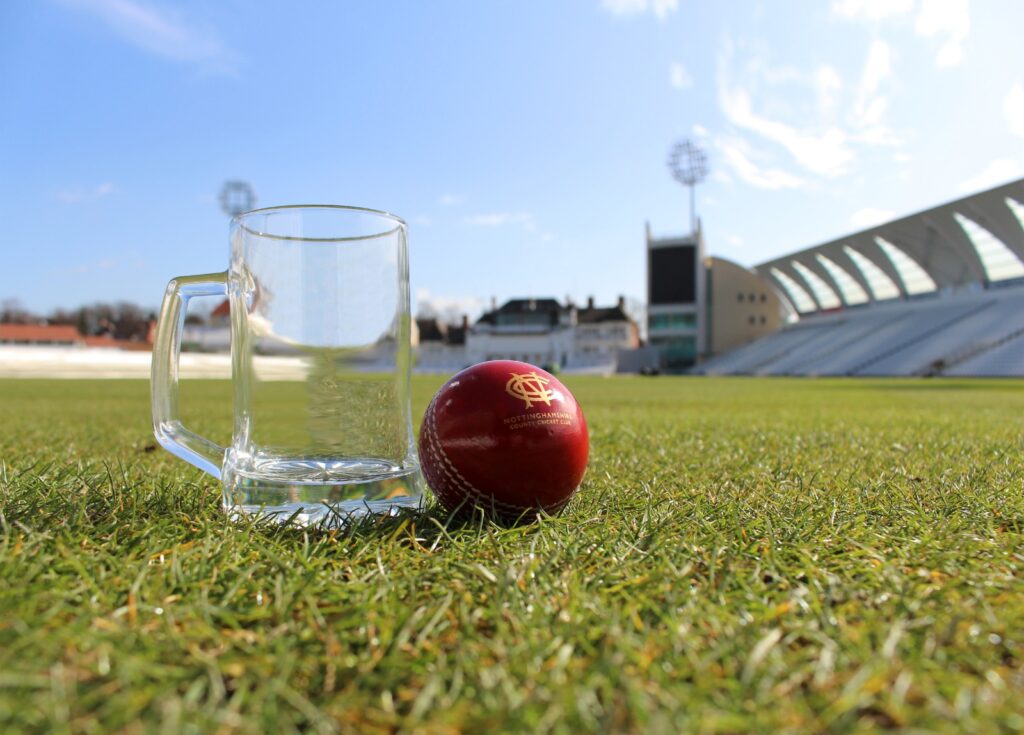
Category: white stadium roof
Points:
column 975, row 240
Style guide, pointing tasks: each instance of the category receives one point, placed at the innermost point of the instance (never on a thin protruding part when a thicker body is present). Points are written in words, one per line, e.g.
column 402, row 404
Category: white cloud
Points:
column 160, row 31
column 735, row 240
column 998, row 172
column 547, row 237
column 624, row 7
column 877, row 67
column 105, row 264
column 699, row 130
column 660, row 8
column 818, row 119
column 77, row 195
column 499, row 219
column 826, row 153
column 451, row 200
column 873, row 10
column 828, row 84
column 949, row 20
column 876, row 135
column 1013, row 108
column 123, row 261
column 871, row 107
column 679, row 77
column 447, row 308
column 870, row 216
column 902, row 157
column 874, row 112
column 737, row 158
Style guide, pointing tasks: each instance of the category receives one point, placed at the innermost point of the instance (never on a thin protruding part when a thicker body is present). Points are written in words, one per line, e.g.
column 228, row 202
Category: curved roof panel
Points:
column 998, row 260
column 850, row 290
column 975, row 240
column 824, row 294
column 1017, row 208
column 915, row 278
column 880, row 285
column 798, row 296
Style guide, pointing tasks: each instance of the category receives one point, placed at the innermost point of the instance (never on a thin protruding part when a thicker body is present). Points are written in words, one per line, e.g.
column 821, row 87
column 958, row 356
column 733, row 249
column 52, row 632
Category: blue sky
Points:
column 525, row 142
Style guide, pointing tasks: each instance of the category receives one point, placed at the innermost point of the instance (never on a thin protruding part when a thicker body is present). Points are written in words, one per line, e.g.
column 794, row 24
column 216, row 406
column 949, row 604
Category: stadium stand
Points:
column 940, row 292
column 979, row 333
column 1005, row 357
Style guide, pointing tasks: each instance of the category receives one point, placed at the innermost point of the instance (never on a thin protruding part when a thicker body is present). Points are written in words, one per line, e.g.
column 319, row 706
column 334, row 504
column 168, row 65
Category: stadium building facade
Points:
column 676, row 312
column 700, row 306
column 540, row 331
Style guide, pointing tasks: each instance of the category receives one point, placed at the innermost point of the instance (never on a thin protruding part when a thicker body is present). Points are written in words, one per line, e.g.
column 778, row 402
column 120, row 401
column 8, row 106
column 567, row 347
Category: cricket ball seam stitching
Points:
column 434, row 446
column 435, row 451
column 453, row 474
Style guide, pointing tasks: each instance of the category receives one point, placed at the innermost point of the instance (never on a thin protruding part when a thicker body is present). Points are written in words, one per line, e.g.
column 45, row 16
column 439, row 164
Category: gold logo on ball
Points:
column 531, row 388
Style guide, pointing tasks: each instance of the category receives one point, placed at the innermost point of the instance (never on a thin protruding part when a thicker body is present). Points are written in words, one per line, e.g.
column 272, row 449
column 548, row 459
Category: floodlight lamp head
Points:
column 688, row 163
column 236, row 197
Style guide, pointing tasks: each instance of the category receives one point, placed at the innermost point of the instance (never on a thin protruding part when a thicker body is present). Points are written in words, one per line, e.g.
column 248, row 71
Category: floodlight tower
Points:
column 688, row 163
column 236, row 197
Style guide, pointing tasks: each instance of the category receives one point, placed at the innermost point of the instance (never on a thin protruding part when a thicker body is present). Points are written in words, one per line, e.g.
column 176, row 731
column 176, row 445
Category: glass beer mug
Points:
column 325, row 291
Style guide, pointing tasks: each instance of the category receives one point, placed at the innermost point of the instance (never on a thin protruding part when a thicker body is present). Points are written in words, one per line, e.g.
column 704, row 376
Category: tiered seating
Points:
column 907, row 332
column 971, row 334
column 847, row 335
column 747, row 359
column 1004, row 359
column 974, row 333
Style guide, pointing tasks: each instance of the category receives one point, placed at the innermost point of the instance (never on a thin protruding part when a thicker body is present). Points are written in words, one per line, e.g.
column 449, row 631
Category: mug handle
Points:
column 172, row 435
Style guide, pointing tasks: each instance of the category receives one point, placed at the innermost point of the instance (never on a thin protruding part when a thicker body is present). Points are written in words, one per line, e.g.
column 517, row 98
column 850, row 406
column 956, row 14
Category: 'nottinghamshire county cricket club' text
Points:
column 557, row 418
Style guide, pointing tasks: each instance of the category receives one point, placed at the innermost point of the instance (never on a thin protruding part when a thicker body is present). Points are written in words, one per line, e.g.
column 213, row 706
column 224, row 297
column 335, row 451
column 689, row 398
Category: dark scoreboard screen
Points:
column 672, row 274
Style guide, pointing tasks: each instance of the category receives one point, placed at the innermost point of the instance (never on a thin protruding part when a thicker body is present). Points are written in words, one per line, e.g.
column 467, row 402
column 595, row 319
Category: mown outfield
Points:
column 745, row 556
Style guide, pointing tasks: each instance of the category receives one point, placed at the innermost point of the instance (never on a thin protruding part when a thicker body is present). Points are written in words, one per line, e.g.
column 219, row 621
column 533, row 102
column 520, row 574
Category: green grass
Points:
column 744, row 556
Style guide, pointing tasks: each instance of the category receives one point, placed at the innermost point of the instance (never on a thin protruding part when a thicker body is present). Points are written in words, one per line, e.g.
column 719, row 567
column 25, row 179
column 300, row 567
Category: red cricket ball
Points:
column 505, row 437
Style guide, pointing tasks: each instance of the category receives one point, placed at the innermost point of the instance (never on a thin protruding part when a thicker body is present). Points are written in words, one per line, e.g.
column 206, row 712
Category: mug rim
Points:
column 400, row 224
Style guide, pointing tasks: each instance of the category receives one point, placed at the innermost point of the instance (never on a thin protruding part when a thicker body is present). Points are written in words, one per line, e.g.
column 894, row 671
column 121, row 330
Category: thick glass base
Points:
column 312, row 492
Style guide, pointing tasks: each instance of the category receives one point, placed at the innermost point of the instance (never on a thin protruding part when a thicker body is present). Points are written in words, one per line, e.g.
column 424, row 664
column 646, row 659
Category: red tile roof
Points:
column 60, row 333
column 223, row 309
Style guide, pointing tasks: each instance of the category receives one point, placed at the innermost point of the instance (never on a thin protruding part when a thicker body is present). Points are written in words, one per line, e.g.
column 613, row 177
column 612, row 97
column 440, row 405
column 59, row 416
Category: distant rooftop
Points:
column 434, row 330
column 40, row 333
column 550, row 312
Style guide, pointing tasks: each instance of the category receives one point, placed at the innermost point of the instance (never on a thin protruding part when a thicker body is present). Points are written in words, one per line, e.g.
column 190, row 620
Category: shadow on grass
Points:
column 424, row 526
